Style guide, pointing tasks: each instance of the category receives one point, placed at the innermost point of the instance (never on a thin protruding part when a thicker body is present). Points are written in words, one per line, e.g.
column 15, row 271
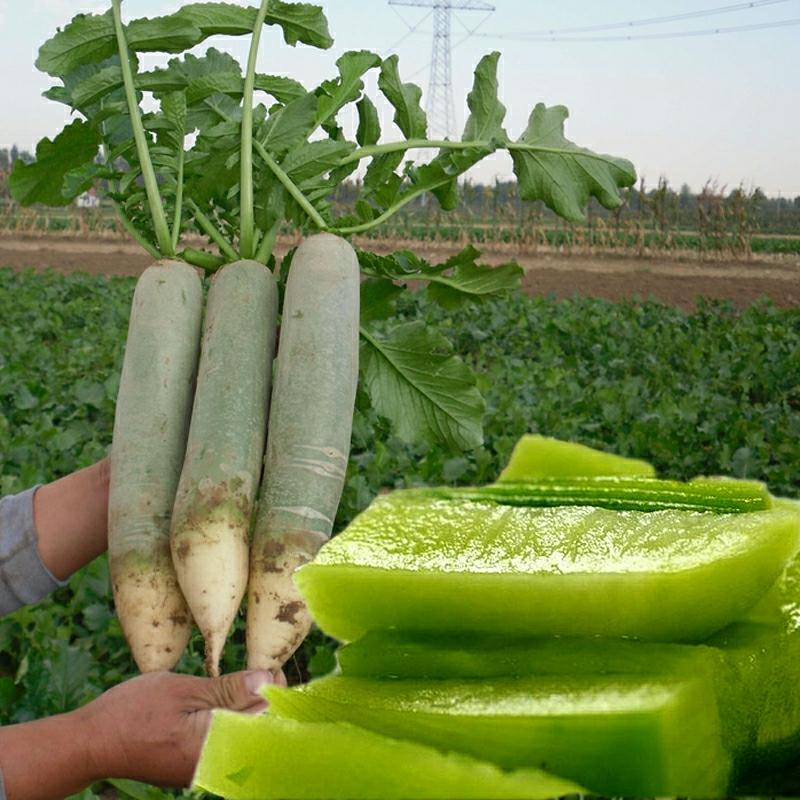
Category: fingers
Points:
column 239, row 691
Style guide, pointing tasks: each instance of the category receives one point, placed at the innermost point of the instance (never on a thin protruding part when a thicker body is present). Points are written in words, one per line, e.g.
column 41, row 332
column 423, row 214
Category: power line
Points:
column 635, row 23
column 412, row 29
column 784, row 23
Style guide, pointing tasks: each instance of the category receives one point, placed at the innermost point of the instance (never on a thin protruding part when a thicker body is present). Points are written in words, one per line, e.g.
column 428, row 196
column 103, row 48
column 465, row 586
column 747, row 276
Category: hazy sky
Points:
column 724, row 107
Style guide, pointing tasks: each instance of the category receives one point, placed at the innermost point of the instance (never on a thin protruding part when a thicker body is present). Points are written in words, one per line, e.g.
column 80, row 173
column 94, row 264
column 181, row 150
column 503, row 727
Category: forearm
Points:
column 71, row 517
column 48, row 759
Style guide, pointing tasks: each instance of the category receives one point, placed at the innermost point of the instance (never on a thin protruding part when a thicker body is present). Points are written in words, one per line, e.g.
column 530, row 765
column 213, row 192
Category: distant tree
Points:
column 14, row 154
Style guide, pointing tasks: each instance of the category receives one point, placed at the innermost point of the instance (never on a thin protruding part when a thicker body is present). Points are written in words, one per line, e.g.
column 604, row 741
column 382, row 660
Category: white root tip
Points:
column 154, row 618
column 277, row 617
column 211, row 562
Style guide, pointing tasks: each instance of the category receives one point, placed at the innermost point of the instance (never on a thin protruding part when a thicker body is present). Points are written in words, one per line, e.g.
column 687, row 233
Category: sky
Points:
column 723, row 108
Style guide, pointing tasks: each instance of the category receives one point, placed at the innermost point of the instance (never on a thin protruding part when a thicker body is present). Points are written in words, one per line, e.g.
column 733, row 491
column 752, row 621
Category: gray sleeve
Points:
column 24, row 579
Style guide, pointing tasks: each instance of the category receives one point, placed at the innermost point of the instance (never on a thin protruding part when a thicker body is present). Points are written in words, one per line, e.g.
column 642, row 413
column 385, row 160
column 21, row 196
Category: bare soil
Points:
column 667, row 280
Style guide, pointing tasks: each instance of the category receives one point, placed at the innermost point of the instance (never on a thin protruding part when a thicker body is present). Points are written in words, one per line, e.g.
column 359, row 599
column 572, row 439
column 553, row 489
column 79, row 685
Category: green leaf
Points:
column 301, row 22
column 369, row 126
column 401, row 265
column 333, row 95
column 469, row 281
column 96, row 86
column 283, row 89
column 440, row 176
column 485, row 122
column 314, row 158
column 225, row 19
column 405, row 98
column 173, row 109
column 42, row 181
column 414, row 380
column 381, row 178
column 563, row 175
column 90, row 38
column 451, row 284
column 133, row 790
column 87, row 39
column 172, row 34
column 378, row 298
column 79, row 180
column 68, row 671
column 289, row 125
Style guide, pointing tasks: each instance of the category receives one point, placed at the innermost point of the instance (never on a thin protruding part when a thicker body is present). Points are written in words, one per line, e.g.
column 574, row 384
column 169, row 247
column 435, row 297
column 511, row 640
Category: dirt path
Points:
column 613, row 278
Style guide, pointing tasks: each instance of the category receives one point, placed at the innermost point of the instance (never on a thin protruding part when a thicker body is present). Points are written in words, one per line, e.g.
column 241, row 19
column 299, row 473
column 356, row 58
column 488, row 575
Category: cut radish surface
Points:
column 536, row 457
column 619, row 735
column 397, row 654
column 265, row 757
column 752, row 668
column 424, row 564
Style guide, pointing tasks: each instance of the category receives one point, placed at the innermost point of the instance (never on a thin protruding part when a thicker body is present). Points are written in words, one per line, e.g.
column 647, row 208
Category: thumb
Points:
column 239, row 691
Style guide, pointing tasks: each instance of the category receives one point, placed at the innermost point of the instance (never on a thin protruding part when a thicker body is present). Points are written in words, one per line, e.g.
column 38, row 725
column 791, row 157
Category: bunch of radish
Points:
column 227, row 469
column 187, row 455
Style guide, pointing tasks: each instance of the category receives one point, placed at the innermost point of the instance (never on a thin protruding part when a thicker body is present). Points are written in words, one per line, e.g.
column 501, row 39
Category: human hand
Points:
column 152, row 728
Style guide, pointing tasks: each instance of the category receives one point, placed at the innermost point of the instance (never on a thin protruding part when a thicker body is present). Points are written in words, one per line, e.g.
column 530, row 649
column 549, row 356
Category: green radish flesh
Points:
column 308, row 444
column 618, row 735
column 751, row 668
column 619, row 494
column 151, row 424
column 536, row 457
column 222, row 466
column 417, row 563
column 267, row 758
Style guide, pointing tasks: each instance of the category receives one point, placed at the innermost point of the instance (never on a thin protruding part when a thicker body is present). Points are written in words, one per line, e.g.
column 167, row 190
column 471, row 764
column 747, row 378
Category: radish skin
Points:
column 222, row 466
column 308, row 443
column 151, row 423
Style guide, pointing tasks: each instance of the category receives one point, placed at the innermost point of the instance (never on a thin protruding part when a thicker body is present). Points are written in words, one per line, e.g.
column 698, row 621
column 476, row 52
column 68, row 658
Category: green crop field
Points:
column 714, row 391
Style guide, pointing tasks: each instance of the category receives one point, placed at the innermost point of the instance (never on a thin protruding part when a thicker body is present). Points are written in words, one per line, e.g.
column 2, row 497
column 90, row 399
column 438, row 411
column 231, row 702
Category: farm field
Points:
column 670, row 280
column 472, row 460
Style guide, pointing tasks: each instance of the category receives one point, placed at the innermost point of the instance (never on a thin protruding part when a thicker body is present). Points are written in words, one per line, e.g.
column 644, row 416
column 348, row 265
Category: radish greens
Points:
column 268, row 153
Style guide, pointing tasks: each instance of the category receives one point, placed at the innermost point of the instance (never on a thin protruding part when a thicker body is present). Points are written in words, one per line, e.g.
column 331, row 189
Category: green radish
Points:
column 541, row 457
column 308, row 443
column 222, row 467
column 150, row 427
column 263, row 756
column 415, row 562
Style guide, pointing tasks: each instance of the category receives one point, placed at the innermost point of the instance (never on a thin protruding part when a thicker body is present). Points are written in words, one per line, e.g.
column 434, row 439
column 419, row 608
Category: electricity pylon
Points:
column 439, row 106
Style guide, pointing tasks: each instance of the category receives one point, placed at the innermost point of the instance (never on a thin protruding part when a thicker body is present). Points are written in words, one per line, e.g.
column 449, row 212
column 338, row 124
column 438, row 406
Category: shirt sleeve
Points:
column 24, row 579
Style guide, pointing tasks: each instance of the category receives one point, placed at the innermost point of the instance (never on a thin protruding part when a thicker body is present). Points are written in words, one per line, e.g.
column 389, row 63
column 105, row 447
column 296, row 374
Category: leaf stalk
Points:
column 291, row 187
column 211, row 231
column 247, row 205
column 148, row 173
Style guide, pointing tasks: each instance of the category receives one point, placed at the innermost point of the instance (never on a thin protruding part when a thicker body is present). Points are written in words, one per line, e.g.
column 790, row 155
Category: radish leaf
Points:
column 414, row 380
column 561, row 174
column 369, row 126
column 42, row 181
column 335, row 94
column 405, row 97
column 378, row 298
